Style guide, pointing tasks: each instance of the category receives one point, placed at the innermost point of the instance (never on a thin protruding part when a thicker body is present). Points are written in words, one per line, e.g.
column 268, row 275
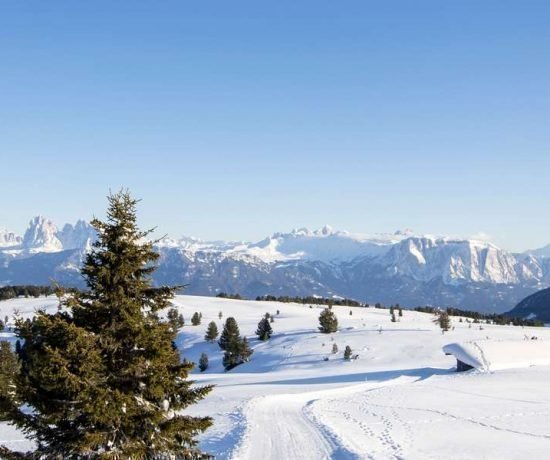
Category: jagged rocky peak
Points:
column 41, row 236
column 9, row 239
column 77, row 236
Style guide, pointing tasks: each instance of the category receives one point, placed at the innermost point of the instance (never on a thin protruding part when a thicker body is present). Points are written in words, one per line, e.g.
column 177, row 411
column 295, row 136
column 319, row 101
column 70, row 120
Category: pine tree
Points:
column 328, row 321
column 347, row 352
column 443, row 320
column 106, row 381
column 230, row 333
column 351, row 312
column 1, row 326
column 9, row 367
column 175, row 319
column 196, row 319
column 334, row 348
column 392, row 311
column 238, row 353
column 220, row 315
column 203, row 362
column 211, row 332
column 393, row 318
column 400, row 312
column 264, row 330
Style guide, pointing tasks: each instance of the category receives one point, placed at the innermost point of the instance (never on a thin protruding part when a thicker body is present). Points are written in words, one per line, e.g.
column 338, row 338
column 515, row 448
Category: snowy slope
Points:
column 399, row 399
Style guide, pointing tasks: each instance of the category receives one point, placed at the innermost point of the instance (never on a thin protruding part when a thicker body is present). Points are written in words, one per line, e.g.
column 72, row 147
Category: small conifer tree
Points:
column 393, row 318
column 264, row 330
column 347, row 353
column 230, row 333
column 175, row 319
column 196, row 319
column 443, row 320
column 211, row 332
column 400, row 312
column 334, row 348
column 328, row 321
column 220, row 315
column 203, row 362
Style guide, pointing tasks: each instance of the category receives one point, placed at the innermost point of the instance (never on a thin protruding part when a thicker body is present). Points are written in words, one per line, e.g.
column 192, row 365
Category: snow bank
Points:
column 491, row 355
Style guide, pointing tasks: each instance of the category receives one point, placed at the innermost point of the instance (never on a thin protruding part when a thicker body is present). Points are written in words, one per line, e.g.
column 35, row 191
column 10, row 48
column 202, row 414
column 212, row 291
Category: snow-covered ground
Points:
column 400, row 399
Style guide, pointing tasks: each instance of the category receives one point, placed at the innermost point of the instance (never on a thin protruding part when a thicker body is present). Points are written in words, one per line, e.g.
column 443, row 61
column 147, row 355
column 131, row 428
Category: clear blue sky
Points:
column 232, row 120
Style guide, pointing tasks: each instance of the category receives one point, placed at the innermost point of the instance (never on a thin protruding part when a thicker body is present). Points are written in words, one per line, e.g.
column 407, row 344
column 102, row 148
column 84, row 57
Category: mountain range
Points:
column 390, row 268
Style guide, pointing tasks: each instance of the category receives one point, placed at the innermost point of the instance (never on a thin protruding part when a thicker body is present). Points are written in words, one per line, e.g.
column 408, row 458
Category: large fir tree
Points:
column 105, row 379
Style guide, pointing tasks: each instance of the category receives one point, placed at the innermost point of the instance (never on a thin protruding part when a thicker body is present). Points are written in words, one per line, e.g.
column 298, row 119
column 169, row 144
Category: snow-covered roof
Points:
column 491, row 355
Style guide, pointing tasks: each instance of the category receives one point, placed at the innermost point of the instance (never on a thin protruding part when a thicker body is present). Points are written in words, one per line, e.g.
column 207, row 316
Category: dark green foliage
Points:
column 328, row 321
column 9, row 368
column 107, row 382
column 220, row 315
column 351, row 312
column 1, row 325
column 400, row 312
column 12, row 292
column 238, row 353
column 334, row 348
column 224, row 295
column 175, row 319
column 230, row 333
column 309, row 300
column 347, row 352
column 393, row 319
column 443, row 320
column 264, row 330
column 272, row 319
column 203, row 362
column 237, row 350
column 196, row 319
column 392, row 312
column 211, row 332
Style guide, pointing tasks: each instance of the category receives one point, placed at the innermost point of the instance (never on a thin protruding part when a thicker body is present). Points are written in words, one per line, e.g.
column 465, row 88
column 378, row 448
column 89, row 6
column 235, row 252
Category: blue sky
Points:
column 233, row 120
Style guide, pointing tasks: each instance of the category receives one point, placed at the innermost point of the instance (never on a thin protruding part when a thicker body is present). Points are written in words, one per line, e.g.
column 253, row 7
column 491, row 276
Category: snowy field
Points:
column 400, row 399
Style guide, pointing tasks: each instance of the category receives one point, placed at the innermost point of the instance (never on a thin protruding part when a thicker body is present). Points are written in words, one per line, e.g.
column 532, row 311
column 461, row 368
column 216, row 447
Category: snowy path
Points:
column 290, row 426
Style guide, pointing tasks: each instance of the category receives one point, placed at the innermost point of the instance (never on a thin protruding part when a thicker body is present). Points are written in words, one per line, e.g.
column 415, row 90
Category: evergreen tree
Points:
column 400, row 312
column 238, row 353
column 230, row 334
column 347, row 352
column 264, row 330
column 351, row 312
column 392, row 312
column 196, row 319
column 1, row 326
column 106, row 382
column 211, row 332
column 334, row 348
column 9, row 367
column 175, row 319
column 203, row 362
column 443, row 320
column 220, row 315
column 328, row 321
column 393, row 318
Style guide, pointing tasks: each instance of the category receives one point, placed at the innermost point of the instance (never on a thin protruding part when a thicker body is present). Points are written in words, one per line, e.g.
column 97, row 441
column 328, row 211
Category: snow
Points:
column 400, row 399
column 494, row 355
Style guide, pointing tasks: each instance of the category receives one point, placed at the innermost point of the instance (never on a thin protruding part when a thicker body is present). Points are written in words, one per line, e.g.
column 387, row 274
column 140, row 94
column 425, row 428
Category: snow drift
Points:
column 492, row 355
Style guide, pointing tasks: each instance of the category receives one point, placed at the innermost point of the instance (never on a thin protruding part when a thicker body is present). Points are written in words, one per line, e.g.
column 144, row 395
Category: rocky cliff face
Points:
column 397, row 268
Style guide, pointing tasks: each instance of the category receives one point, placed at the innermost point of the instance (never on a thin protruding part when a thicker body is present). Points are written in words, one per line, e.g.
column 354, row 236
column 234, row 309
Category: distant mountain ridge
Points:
column 535, row 306
column 393, row 268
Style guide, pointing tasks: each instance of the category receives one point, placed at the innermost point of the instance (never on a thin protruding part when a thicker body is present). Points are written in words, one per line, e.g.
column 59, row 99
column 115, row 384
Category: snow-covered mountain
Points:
column 392, row 268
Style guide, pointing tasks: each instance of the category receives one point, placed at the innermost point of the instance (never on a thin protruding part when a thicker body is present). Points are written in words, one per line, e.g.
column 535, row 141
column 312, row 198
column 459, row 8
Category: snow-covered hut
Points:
column 492, row 355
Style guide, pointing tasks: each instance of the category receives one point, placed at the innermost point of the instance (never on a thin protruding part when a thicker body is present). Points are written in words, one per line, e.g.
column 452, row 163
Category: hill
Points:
column 400, row 399
column 536, row 306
